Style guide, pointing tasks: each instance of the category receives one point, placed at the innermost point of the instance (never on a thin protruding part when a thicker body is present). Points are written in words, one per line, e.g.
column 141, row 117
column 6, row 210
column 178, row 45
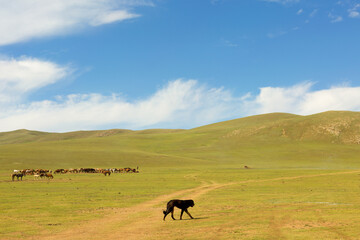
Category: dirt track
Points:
column 142, row 221
column 127, row 221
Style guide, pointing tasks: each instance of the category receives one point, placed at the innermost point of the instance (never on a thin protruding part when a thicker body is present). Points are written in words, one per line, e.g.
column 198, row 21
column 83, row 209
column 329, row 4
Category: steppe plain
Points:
column 302, row 181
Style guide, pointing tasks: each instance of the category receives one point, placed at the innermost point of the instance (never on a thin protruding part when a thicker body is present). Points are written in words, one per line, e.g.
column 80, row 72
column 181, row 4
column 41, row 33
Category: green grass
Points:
column 70, row 198
column 312, row 207
column 254, row 206
column 325, row 207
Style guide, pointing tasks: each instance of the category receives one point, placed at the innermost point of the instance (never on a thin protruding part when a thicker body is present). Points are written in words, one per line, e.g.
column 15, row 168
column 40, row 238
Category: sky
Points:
column 68, row 65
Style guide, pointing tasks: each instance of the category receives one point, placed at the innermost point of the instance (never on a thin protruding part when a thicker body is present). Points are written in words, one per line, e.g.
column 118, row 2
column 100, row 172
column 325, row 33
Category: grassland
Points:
column 304, row 181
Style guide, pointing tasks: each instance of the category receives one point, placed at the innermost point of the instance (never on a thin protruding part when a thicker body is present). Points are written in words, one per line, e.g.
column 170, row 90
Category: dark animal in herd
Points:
column 182, row 204
column 21, row 175
column 59, row 171
column 17, row 175
column 49, row 175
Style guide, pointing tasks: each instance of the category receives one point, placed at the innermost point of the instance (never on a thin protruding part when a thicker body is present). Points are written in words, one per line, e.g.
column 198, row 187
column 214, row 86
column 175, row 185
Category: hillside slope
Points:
column 325, row 140
column 332, row 126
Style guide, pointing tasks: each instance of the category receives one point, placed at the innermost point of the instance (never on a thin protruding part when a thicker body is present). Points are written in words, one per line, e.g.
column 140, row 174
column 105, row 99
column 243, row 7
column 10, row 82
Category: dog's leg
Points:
column 165, row 214
column 182, row 211
column 188, row 213
column 168, row 210
column 172, row 214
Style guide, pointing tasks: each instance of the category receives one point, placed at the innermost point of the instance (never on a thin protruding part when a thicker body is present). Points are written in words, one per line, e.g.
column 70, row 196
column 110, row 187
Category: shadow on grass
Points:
column 197, row 218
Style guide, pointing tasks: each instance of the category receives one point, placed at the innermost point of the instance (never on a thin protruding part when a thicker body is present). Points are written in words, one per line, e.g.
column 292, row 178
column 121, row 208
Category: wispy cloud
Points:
column 228, row 43
column 354, row 14
column 21, row 20
column 354, row 11
column 282, row 1
column 334, row 18
column 300, row 11
column 179, row 104
column 18, row 77
column 313, row 13
column 276, row 34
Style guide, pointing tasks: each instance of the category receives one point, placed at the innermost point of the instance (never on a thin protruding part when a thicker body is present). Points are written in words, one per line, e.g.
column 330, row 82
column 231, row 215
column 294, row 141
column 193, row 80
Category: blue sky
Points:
column 99, row 64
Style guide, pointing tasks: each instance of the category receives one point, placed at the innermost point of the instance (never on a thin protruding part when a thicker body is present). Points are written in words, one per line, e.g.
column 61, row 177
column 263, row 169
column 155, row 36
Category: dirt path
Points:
column 117, row 223
column 143, row 220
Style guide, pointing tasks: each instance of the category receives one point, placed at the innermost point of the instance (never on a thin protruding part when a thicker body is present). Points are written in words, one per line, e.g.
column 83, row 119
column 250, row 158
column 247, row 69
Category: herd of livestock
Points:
column 45, row 173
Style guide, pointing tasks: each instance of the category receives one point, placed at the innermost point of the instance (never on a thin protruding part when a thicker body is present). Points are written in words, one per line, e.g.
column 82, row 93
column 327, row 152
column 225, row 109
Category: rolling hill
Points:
column 276, row 140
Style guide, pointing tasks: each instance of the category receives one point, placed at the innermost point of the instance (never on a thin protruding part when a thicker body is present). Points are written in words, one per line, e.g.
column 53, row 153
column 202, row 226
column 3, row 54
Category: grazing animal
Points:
column 106, row 172
column 49, row 175
column 17, row 175
column 36, row 177
column 61, row 170
column 182, row 204
column 87, row 170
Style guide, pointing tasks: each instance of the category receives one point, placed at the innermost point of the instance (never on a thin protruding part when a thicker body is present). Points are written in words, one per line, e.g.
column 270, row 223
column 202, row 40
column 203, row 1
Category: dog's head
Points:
column 191, row 203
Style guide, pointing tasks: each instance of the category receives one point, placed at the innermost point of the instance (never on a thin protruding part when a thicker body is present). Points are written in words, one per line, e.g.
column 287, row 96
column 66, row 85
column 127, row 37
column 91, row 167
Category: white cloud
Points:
column 300, row 99
column 113, row 16
column 353, row 12
column 300, row 11
column 21, row 20
column 337, row 98
column 228, row 43
column 21, row 76
column 179, row 104
column 276, row 34
column 334, row 19
column 337, row 19
column 313, row 13
column 273, row 99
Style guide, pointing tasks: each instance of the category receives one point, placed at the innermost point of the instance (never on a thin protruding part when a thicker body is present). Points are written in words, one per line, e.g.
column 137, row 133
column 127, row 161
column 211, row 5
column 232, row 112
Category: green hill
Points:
column 332, row 127
column 24, row 136
column 277, row 140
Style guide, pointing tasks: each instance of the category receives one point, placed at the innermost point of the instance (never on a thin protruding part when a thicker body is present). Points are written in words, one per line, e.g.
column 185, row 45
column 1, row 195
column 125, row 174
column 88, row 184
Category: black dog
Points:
column 182, row 204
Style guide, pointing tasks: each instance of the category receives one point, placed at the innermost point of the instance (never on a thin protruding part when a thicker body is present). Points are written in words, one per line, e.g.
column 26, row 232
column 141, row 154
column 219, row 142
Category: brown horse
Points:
column 61, row 170
column 49, row 175
column 17, row 175
column 106, row 172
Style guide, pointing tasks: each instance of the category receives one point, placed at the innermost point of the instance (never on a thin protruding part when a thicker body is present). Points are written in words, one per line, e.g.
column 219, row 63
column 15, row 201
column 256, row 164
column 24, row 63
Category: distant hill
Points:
column 332, row 126
column 23, row 135
column 324, row 140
